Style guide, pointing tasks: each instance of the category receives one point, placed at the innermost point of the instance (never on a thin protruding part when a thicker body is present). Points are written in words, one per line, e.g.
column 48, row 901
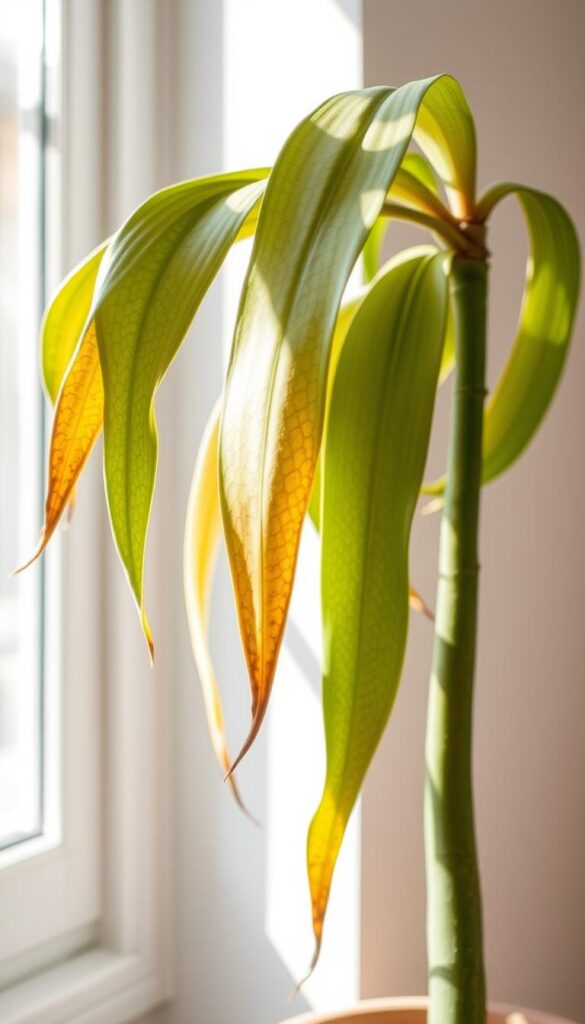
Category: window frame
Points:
column 109, row 961
column 57, row 868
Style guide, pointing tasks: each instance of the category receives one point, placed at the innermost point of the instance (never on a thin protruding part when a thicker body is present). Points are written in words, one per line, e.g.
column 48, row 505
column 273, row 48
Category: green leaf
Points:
column 158, row 268
column 531, row 375
column 65, row 319
column 415, row 185
column 346, row 314
column 377, row 439
column 344, row 319
column 418, row 167
column 523, row 394
column 448, row 355
column 372, row 251
column 446, row 134
column 323, row 197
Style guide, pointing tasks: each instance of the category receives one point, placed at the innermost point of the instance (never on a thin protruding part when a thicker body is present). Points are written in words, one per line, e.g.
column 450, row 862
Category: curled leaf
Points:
column 523, row 394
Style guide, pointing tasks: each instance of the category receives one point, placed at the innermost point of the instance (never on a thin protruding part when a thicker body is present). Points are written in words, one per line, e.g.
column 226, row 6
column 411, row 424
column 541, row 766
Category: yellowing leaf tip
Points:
column 418, row 604
column 147, row 636
column 231, row 782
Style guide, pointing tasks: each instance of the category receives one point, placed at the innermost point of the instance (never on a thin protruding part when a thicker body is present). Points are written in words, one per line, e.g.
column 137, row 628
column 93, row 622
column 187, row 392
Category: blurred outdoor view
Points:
column 21, row 28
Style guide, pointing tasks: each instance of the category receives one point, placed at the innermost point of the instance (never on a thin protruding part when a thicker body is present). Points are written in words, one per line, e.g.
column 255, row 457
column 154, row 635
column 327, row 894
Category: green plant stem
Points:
column 454, row 926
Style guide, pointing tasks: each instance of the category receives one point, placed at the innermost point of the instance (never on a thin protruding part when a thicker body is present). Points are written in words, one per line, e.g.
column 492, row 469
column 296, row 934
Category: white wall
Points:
column 521, row 65
column 531, row 692
column 247, row 71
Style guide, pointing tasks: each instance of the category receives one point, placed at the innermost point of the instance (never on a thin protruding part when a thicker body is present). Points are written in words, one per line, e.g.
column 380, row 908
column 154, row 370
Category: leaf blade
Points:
column 77, row 424
column 333, row 172
column 65, row 318
column 203, row 532
column 80, row 406
column 161, row 264
column 342, row 325
column 384, row 389
column 530, row 378
column 532, row 373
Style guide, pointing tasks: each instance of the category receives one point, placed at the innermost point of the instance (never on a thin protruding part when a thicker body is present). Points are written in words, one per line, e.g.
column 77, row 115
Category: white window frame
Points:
column 114, row 733
column 49, row 884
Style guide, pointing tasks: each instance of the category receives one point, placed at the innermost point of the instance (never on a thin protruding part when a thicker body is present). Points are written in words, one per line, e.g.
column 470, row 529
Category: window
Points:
column 82, row 718
column 21, row 442
column 49, row 874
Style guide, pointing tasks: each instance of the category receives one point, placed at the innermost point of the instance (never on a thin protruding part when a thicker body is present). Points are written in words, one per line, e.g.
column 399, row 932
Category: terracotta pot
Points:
column 413, row 1011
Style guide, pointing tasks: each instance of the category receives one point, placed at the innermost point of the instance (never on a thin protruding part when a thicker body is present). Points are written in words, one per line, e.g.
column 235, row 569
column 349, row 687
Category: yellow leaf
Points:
column 203, row 531
column 76, row 426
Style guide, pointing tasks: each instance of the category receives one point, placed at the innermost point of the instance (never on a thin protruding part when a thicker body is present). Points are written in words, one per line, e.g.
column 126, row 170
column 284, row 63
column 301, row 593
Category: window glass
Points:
column 21, row 429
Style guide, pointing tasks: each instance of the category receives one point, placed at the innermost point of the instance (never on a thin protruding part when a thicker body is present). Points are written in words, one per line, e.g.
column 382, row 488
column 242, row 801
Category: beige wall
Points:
column 522, row 66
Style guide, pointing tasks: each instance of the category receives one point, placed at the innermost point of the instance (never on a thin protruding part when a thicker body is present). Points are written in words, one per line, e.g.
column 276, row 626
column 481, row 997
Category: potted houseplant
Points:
column 327, row 411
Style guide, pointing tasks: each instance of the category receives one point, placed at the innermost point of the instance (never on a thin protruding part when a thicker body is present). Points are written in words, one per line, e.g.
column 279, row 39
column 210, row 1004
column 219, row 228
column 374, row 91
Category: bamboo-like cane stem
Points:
column 454, row 925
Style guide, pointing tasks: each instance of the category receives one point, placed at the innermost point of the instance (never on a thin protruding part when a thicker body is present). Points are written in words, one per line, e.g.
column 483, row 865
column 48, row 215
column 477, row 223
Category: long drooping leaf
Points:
column 157, row 270
column 324, row 195
column 202, row 539
column 529, row 380
column 65, row 319
column 160, row 266
column 377, row 439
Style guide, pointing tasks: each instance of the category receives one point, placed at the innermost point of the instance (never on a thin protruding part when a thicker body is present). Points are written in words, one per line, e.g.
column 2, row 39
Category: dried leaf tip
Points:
column 314, row 960
column 43, row 541
column 418, row 604
column 231, row 782
column 147, row 636
column 254, row 730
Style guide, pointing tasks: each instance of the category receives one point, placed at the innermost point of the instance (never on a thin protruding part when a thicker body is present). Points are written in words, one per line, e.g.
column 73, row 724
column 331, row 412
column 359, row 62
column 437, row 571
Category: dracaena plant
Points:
column 327, row 410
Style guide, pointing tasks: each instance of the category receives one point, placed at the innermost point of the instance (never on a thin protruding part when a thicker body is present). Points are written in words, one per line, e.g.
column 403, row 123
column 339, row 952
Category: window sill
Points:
column 96, row 987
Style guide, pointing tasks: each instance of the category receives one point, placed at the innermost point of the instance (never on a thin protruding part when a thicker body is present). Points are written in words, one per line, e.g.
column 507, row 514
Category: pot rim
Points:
column 419, row 1003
